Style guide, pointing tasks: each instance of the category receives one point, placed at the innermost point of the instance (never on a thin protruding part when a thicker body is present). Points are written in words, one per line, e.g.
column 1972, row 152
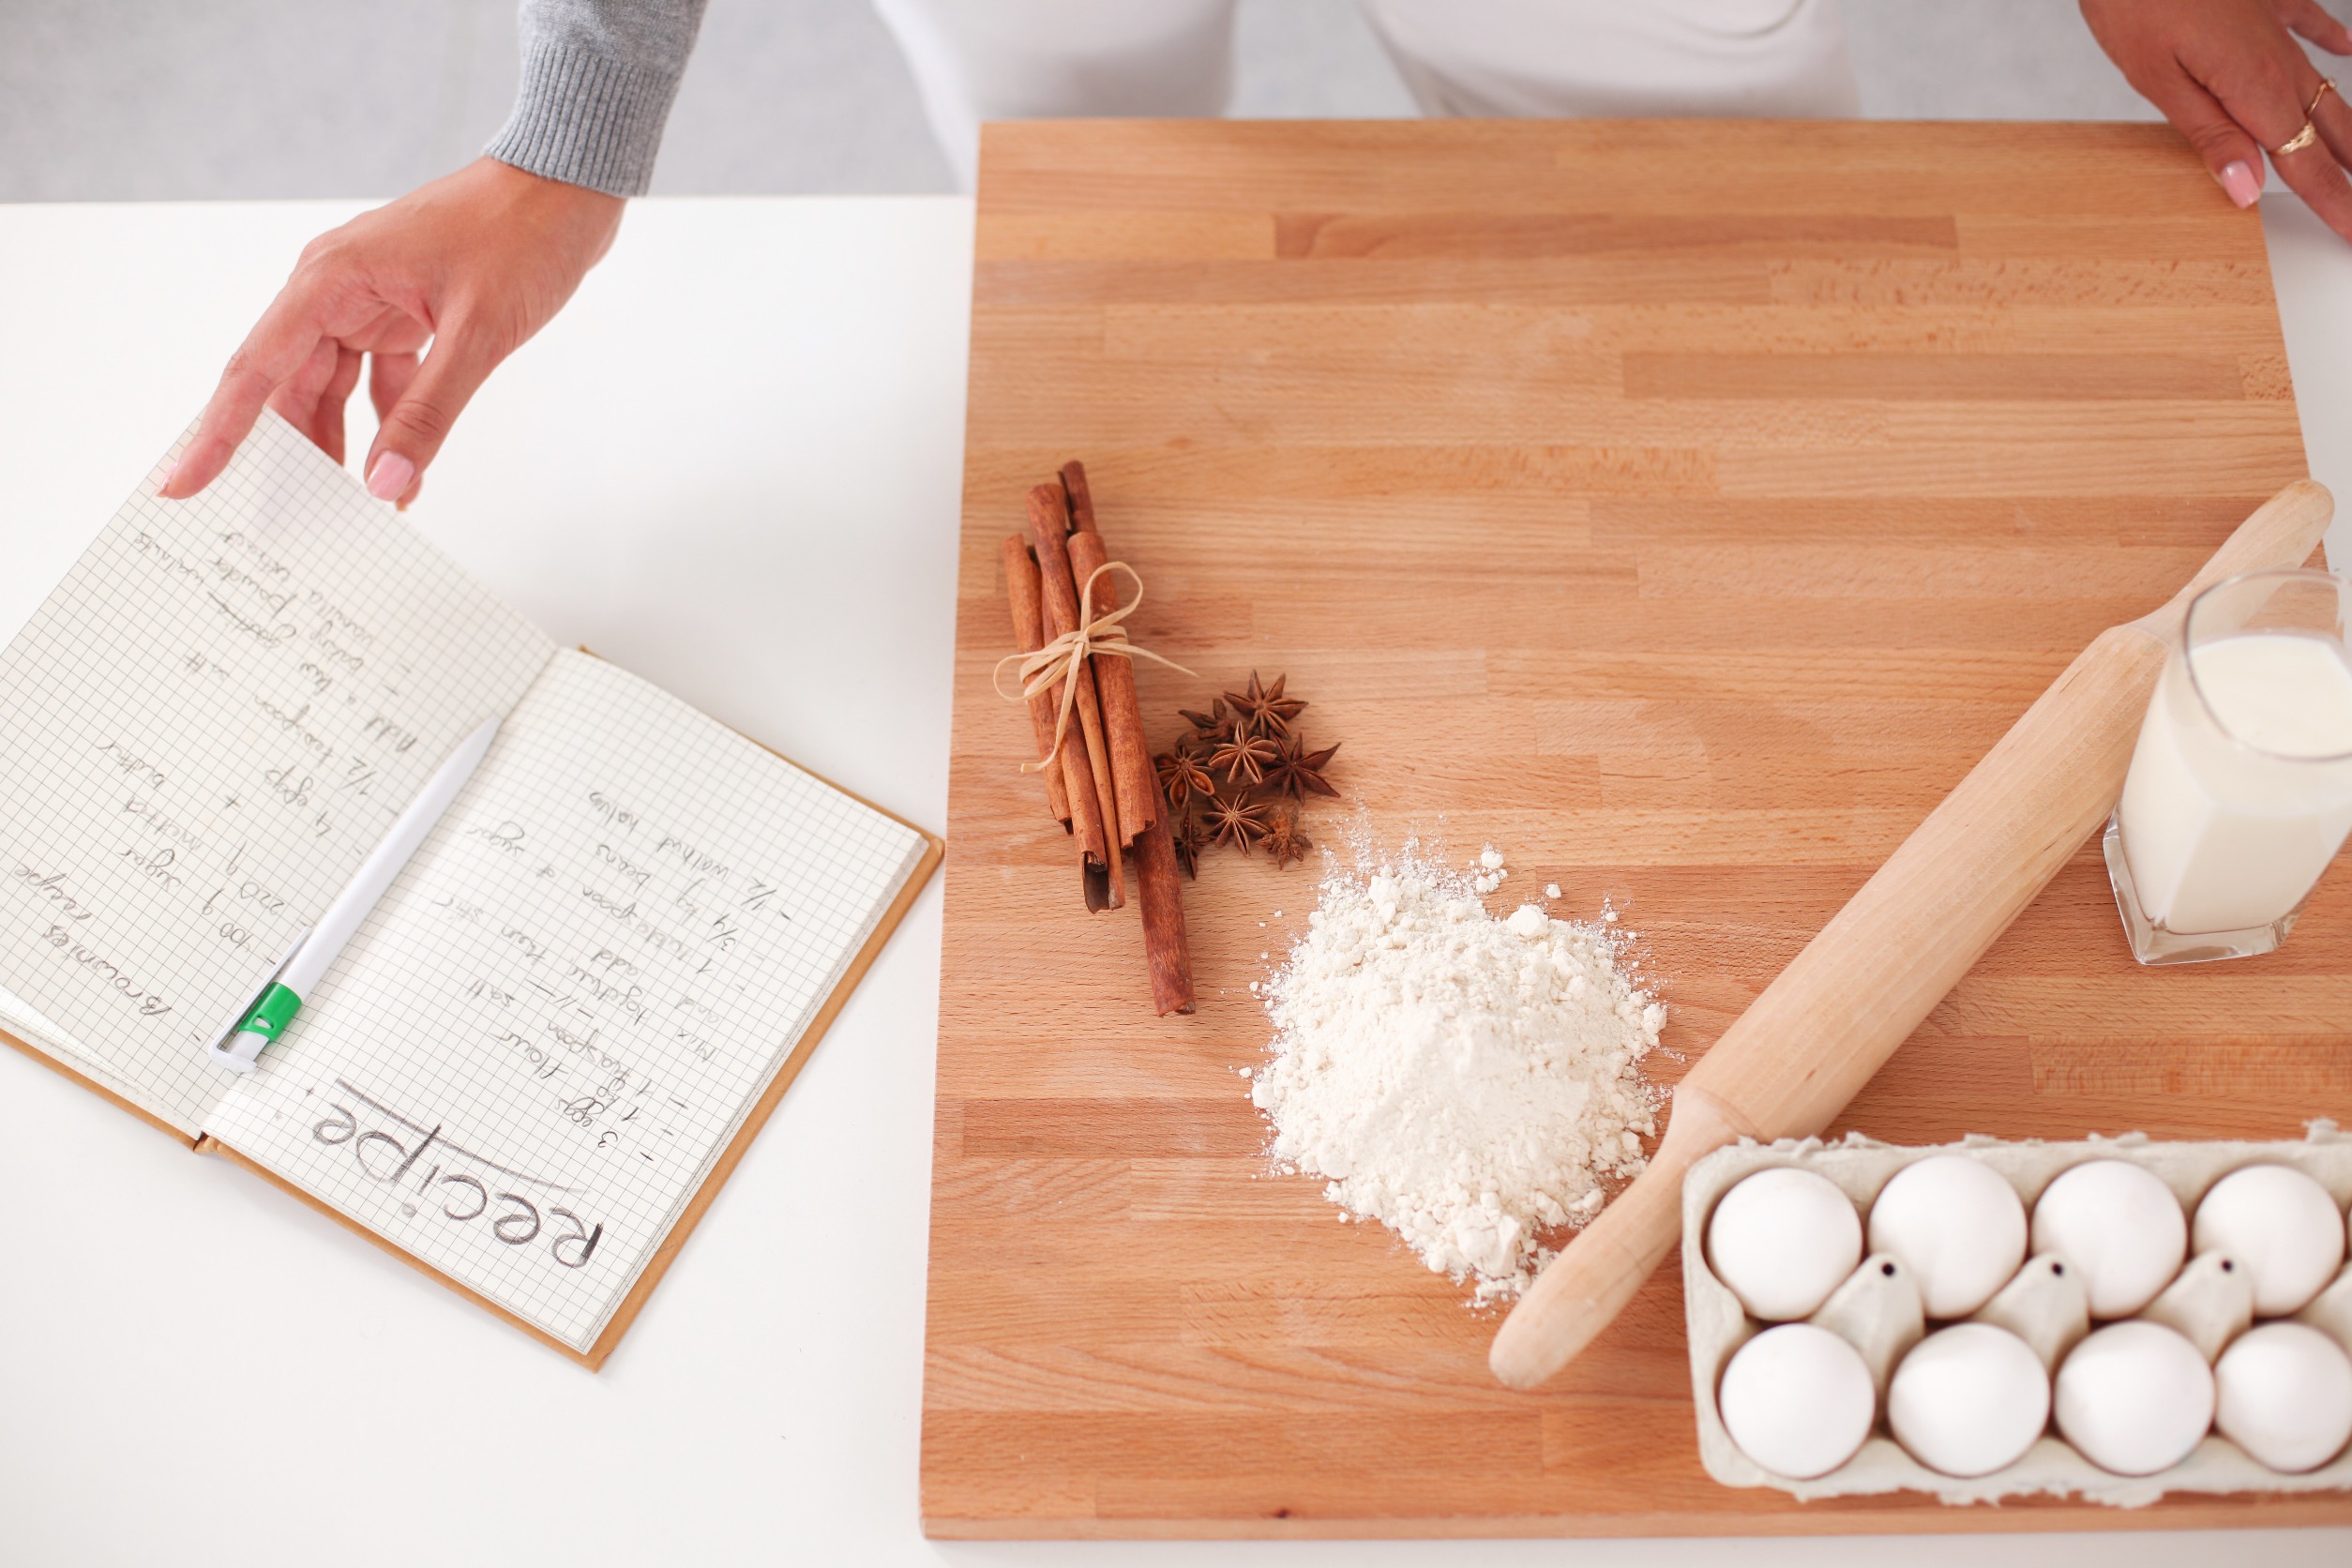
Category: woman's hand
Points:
column 2231, row 79
column 474, row 263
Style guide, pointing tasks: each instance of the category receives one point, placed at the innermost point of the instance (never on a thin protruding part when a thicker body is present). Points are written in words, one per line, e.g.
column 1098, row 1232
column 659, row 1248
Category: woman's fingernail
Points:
column 2241, row 183
column 392, row 473
column 165, row 488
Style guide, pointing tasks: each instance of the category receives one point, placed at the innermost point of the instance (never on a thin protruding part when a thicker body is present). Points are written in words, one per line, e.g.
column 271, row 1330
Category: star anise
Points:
column 1296, row 771
column 1242, row 758
column 1235, row 822
column 1186, row 836
column 1181, row 776
column 1213, row 726
column 1284, row 841
column 1263, row 710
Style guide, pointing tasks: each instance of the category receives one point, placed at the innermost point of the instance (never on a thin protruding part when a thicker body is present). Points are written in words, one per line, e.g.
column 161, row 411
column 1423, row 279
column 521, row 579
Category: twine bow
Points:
column 1065, row 655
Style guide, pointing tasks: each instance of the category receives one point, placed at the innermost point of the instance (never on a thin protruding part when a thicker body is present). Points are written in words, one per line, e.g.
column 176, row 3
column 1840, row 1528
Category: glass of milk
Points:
column 2240, row 788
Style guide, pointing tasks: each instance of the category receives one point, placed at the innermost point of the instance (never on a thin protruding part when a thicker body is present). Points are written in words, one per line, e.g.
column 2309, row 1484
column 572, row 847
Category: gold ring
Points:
column 2297, row 141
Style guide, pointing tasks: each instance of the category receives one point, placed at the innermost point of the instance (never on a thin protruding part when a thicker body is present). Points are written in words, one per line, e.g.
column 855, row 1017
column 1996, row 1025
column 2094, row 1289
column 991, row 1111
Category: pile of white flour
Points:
column 1462, row 1078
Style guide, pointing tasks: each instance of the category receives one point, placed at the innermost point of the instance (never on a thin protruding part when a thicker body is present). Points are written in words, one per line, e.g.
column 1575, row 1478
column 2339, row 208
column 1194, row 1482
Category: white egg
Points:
column 2330, row 1311
column 2286, row 1396
column 2119, row 1227
column 1958, row 1224
column 2282, row 1227
column 1798, row 1400
column 1782, row 1240
column 2134, row 1398
column 1968, row 1399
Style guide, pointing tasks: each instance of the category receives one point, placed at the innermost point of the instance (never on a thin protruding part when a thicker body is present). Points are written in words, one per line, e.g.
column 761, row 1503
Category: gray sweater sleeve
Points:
column 597, row 80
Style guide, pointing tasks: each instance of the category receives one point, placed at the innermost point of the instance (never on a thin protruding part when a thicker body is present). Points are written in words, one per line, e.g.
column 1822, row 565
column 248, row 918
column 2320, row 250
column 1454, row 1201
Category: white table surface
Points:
column 732, row 465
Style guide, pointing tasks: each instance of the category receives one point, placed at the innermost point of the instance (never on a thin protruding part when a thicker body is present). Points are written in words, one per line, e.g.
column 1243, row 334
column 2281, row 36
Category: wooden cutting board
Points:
column 1680, row 508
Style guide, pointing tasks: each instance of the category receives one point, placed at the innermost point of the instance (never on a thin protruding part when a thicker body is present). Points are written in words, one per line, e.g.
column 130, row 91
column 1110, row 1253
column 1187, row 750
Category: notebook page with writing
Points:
column 531, row 1056
column 203, row 729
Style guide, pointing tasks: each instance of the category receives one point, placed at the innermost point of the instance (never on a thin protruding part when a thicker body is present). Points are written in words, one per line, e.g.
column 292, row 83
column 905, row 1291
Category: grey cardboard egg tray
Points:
column 1718, row 1325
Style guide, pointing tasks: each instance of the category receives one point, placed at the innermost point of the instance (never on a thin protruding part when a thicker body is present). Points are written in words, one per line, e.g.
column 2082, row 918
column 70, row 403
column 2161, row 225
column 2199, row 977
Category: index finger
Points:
column 281, row 343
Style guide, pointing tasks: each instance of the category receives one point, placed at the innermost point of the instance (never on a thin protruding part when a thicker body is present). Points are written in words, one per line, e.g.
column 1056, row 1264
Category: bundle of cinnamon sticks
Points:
column 1099, row 779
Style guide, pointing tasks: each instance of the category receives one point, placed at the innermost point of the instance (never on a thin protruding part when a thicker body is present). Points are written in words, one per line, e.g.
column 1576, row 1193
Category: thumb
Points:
column 417, row 425
column 2232, row 157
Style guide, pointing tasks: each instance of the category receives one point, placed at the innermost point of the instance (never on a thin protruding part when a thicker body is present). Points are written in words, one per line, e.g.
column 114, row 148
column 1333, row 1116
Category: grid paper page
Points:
column 528, row 1058
column 30, row 1027
column 203, row 730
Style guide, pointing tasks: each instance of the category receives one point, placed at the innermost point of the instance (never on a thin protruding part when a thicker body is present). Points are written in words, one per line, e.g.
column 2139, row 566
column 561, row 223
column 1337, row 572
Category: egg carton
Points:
column 1718, row 1325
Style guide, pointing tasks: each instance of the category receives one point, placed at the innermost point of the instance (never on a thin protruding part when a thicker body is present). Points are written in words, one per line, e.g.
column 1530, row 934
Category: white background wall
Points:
column 165, row 100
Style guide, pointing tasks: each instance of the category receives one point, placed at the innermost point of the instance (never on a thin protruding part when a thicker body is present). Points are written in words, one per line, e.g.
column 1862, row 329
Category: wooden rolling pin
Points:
column 1804, row 1047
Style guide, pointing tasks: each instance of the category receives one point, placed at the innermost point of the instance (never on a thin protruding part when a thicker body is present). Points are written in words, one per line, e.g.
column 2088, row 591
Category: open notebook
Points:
column 549, row 1043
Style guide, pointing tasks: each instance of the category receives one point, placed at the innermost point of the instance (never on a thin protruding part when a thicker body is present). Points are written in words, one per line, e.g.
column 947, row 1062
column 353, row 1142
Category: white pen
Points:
column 281, row 995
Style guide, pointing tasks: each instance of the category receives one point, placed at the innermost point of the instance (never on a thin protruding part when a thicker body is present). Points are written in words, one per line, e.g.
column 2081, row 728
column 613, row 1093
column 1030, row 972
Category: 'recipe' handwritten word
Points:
column 149, row 1004
column 52, row 887
column 462, row 1186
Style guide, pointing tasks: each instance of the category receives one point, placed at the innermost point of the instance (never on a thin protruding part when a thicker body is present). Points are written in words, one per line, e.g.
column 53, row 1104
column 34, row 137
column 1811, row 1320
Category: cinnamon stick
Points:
column 1135, row 784
column 1081, row 498
column 1166, row 952
column 1048, row 531
column 1123, row 713
column 1021, row 589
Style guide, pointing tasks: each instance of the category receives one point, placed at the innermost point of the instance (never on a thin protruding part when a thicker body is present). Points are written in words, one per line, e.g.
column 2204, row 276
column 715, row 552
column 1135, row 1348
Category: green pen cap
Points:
column 272, row 1014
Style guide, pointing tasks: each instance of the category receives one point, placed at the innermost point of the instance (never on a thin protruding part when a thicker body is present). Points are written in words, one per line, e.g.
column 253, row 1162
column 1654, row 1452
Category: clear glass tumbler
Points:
column 2240, row 788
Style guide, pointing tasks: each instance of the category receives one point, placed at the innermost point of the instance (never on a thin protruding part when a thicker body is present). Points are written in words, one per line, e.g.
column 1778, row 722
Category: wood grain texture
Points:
column 1682, row 508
